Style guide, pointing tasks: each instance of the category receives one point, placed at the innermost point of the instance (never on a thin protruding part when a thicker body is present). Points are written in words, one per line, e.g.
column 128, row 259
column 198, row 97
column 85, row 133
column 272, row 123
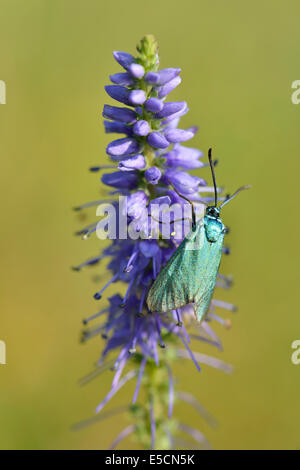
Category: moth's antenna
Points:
column 234, row 194
column 213, row 176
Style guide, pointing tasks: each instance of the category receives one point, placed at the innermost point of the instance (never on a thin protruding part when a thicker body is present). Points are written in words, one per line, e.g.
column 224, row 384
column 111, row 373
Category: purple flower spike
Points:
column 162, row 77
column 119, row 180
column 137, row 162
column 168, row 87
column 121, row 147
column 157, row 140
column 137, row 97
column 123, row 79
column 153, row 175
column 136, row 70
column 141, row 128
column 123, row 58
column 171, row 108
column 178, row 135
column 146, row 162
column 119, row 114
column 154, row 105
column 118, row 93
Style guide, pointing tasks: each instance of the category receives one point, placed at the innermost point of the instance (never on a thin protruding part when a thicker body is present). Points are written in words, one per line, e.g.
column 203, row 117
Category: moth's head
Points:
column 213, row 211
column 213, row 227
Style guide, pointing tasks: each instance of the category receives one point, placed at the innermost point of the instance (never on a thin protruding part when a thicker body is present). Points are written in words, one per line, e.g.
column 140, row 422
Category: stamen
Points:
column 179, row 321
column 171, row 393
column 123, row 304
column 142, row 301
column 88, row 334
column 92, row 203
column 103, row 167
column 98, row 295
column 131, row 260
column 126, row 432
column 86, row 229
column 227, row 281
column 89, row 233
column 188, row 398
column 154, row 267
column 114, row 390
column 141, row 372
column 226, row 305
column 226, row 323
column 89, row 262
column 92, row 317
column 157, row 323
column 152, row 423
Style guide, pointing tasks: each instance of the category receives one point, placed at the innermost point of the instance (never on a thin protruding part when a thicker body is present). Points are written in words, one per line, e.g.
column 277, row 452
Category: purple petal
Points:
column 148, row 248
column 116, row 127
column 121, row 147
column 171, row 118
column 123, row 79
column 153, row 175
column 137, row 97
column 178, row 135
column 157, row 140
column 141, row 128
column 119, row 180
column 137, row 162
column 184, row 157
column 136, row 203
column 173, row 123
column 171, row 108
column 160, row 200
column 118, row 93
column 166, row 89
column 183, row 182
column 136, row 70
column 119, row 114
column 123, row 58
column 162, row 76
column 154, row 105
column 152, row 78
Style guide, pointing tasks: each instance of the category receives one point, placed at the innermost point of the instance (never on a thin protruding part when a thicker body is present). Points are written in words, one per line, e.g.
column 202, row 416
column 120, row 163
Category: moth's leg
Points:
column 189, row 201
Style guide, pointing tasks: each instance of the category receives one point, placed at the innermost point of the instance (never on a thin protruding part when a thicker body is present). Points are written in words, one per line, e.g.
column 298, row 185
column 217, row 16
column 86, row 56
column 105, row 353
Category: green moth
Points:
column 190, row 274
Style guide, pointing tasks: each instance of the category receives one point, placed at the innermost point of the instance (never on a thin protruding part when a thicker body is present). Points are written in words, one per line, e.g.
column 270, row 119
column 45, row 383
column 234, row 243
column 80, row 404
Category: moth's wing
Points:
column 207, row 277
column 176, row 284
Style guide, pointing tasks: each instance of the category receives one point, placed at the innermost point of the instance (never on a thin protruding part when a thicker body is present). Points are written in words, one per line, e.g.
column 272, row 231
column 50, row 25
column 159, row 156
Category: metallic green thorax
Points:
column 190, row 274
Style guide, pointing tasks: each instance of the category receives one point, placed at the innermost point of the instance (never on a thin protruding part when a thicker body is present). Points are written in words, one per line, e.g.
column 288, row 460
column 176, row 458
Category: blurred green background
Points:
column 238, row 62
